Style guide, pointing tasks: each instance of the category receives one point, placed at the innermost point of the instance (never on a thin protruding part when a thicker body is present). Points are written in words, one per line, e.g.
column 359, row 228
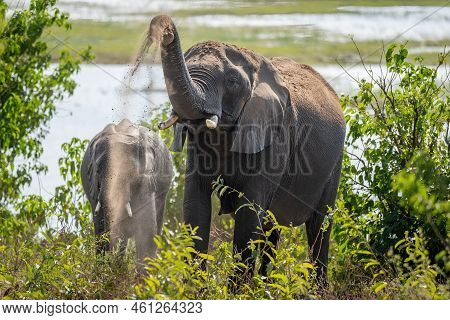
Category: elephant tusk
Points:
column 168, row 123
column 211, row 122
column 97, row 207
column 130, row 214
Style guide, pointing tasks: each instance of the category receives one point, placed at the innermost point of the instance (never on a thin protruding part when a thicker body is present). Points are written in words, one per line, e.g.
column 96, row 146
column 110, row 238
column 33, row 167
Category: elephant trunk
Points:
column 187, row 98
column 114, row 205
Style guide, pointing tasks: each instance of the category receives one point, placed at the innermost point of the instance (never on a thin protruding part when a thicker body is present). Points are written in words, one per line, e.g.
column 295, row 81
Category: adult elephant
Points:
column 126, row 174
column 273, row 129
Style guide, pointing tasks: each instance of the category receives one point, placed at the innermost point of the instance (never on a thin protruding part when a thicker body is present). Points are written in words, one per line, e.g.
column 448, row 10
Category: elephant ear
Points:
column 263, row 113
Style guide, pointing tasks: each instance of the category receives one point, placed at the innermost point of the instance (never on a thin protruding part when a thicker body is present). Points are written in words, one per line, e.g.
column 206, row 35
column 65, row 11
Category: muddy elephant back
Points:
column 310, row 93
column 317, row 131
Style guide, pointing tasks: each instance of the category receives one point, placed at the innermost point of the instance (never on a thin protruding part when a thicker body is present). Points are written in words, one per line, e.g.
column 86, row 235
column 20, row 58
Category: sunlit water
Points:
column 102, row 97
column 120, row 10
column 361, row 23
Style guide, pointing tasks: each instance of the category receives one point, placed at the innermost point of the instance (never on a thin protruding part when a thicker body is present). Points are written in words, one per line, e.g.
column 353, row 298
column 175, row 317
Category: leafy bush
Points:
column 29, row 88
column 405, row 272
column 178, row 273
column 397, row 126
column 391, row 221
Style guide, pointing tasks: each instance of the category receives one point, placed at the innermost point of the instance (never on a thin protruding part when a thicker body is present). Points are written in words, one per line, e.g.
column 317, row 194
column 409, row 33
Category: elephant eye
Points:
column 233, row 80
column 233, row 83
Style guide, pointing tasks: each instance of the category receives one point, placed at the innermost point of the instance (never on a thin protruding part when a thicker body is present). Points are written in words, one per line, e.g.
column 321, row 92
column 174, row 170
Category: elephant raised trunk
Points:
column 279, row 118
column 189, row 100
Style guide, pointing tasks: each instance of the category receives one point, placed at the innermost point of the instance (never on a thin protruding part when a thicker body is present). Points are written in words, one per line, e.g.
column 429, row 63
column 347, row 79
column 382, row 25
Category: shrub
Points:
column 404, row 272
column 29, row 88
column 391, row 221
column 396, row 123
column 178, row 273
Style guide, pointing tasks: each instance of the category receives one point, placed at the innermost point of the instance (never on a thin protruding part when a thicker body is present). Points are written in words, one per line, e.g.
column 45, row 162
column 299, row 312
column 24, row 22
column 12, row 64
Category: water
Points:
column 101, row 97
column 119, row 10
column 363, row 23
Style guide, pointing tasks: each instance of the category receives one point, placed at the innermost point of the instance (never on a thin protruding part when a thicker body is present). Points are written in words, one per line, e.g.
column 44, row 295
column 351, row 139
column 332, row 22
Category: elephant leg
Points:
column 269, row 251
column 101, row 240
column 248, row 226
column 197, row 208
column 318, row 241
column 245, row 229
column 160, row 203
column 318, row 238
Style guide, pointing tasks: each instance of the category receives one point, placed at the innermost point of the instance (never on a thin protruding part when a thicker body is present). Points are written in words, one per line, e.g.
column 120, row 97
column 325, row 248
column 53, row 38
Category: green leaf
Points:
column 379, row 286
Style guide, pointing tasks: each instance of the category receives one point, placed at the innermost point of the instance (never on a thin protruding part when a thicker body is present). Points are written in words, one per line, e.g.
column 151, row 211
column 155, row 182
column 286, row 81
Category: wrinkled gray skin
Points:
column 279, row 139
column 126, row 174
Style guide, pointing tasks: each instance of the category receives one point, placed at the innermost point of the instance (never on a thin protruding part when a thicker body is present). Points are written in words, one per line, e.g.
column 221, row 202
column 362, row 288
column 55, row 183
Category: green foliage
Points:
column 178, row 272
column 29, row 88
column 394, row 184
column 405, row 272
column 69, row 201
column 422, row 187
column 397, row 146
column 415, row 274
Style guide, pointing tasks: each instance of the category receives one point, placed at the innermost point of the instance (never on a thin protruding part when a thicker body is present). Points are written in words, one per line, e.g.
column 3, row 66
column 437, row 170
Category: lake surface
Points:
column 103, row 95
column 363, row 23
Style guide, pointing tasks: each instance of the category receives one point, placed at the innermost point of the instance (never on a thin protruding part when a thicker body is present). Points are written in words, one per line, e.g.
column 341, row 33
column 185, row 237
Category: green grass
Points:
column 111, row 42
column 119, row 42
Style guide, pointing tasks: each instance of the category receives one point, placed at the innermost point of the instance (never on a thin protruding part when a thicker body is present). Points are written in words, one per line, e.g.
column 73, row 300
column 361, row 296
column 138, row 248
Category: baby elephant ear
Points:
column 263, row 113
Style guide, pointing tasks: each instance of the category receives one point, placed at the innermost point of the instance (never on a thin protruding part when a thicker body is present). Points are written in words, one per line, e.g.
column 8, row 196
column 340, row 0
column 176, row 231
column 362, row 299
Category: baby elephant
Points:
column 126, row 174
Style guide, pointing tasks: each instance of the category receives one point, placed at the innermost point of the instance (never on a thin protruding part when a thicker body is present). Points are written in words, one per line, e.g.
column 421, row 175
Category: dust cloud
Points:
column 120, row 167
column 139, row 72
